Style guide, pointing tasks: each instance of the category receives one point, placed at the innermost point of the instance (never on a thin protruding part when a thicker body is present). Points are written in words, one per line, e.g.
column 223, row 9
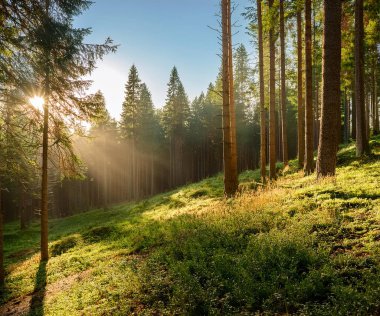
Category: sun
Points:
column 37, row 102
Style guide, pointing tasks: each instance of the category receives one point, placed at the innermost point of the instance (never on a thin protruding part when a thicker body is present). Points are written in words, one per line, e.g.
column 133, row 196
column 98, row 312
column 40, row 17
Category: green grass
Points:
column 300, row 246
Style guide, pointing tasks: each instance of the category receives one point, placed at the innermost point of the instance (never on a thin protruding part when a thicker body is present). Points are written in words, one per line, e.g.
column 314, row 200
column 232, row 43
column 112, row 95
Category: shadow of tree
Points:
column 37, row 301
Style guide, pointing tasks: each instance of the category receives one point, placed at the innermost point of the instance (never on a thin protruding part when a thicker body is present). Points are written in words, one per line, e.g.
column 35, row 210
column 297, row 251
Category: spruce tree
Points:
column 272, row 93
column 362, row 145
column 328, row 145
column 128, row 122
column 59, row 60
column 309, row 136
column 128, row 125
column 175, row 119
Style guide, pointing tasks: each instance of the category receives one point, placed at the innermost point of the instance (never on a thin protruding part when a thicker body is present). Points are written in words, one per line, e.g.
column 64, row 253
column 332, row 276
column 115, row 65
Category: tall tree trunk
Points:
column 328, row 144
column 234, row 164
column 2, row 271
column 375, row 110
column 367, row 94
column 301, row 109
column 317, row 115
column 353, row 111
column 346, row 117
column 45, row 144
column 283, row 87
column 315, row 86
column 372, row 103
column 272, row 100
column 377, row 128
column 362, row 145
column 22, row 207
column 44, row 185
column 105, row 176
column 309, row 139
column 230, row 183
column 263, row 137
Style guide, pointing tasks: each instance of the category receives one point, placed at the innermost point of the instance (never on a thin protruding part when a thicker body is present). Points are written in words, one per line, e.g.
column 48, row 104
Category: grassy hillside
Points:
column 301, row 246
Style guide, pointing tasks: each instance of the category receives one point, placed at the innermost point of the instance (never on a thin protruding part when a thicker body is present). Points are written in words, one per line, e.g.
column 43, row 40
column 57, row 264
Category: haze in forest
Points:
column 205, row 172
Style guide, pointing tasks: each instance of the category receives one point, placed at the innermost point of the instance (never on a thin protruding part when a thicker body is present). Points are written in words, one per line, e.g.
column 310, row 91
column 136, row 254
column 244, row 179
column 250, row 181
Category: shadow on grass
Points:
column 37, row 301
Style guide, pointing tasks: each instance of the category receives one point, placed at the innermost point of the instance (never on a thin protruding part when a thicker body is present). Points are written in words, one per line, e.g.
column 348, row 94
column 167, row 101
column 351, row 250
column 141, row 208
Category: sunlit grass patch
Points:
column 297, row 245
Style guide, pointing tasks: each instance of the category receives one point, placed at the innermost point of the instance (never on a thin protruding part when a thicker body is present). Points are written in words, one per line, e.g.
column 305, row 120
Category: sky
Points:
column 156, row 35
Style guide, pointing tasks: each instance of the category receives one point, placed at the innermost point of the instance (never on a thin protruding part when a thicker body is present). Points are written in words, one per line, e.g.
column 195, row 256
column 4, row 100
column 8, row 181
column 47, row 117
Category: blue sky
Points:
column 155, row 35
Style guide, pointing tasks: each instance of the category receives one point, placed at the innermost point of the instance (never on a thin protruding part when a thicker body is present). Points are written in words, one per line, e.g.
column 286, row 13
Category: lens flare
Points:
column 37, row 102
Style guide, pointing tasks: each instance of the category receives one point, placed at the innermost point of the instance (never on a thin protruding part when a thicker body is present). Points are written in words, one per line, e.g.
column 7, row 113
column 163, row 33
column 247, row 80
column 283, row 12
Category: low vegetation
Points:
column 298, row 246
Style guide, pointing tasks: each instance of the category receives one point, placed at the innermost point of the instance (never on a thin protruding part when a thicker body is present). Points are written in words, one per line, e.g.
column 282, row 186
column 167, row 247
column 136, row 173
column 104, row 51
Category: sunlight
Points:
column 37, row 102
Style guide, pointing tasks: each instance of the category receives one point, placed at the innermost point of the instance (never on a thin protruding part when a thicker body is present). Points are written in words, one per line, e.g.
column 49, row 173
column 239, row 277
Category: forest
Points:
column 259, row 196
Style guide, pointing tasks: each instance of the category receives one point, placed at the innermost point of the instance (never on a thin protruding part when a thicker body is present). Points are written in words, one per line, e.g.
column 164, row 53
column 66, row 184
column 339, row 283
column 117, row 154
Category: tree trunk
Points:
column 317, row 115
column 362, row 145
column 22, row 206
column 2, row 271
column 316, row 87
column 367, row 110
column 272, row 100
column 45, row 144
column 263, row 137
column 301, row 109
column 353, row 111
column 377, row 128
column 309, row 139
column 283, row 87
column 328, row 140
column 44, row 181
column 234, row 166
column 230, row 183
column 346, row 117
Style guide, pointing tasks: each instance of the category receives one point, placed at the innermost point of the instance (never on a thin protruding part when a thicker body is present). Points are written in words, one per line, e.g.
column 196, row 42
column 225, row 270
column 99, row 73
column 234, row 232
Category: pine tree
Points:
column 300, row 101
column 329, row 133
column 283, row 87
column 145, row 116
column 128, row 122
column 175, row 121
column 59, row 60
column 272, row 94
column 229, row 135
column 362, row 145
column 243, row 100
column 309, row 135
column 263, row 114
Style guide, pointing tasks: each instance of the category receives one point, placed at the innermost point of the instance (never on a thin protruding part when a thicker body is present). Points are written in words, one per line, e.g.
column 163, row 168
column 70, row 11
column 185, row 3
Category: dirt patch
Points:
column 21, row 305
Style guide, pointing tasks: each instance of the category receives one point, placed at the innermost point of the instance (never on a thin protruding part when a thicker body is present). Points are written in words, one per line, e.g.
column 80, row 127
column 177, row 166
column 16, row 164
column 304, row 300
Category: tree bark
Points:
column 377, row 128
column 362, row 145
column 230, row 183
column 263, row 137
column 44, row 184
column 283, row 87
column 309, row 139
column 375, row 110
column 301, row 109
column 2, row 271
column 328, row 144
column 22, row 207
column 272, row 100
column 234, row 166
column 346, row 117
column 353, row 111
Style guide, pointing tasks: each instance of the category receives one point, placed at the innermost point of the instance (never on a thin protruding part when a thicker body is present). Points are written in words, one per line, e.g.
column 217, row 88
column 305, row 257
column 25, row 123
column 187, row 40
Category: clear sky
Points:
column 155, row 35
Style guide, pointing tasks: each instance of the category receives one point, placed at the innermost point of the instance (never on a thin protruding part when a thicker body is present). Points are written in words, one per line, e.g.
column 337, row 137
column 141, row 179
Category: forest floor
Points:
column 298, row 246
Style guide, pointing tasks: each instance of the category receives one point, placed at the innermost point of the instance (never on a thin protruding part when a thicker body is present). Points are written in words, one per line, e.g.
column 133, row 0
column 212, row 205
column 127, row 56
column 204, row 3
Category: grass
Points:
column 298, row 246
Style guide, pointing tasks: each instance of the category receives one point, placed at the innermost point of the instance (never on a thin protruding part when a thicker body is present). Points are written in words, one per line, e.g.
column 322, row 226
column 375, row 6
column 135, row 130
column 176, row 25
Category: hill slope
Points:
column 300, row 246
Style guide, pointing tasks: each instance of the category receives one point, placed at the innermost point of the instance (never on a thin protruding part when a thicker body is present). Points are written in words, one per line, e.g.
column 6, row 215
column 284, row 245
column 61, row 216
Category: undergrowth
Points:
column 297, row 246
